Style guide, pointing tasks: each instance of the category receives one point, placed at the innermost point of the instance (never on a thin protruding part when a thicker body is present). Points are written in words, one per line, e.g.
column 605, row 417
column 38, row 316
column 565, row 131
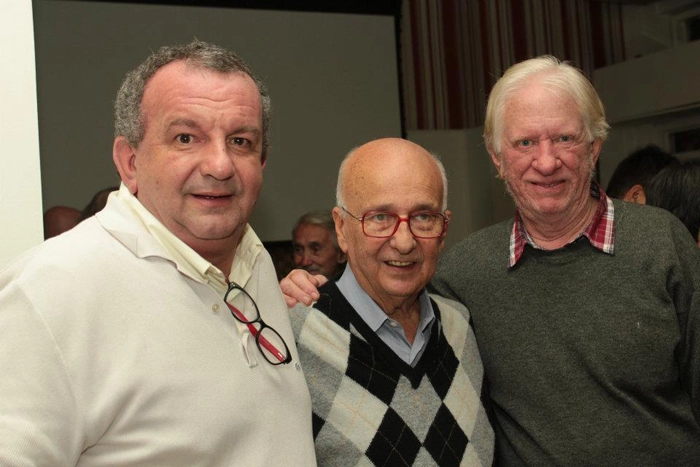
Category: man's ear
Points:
column 448, row 215
column 496, row 162
column 125, row 159
column 636, row 194
column 339, row 222
column 596, row 146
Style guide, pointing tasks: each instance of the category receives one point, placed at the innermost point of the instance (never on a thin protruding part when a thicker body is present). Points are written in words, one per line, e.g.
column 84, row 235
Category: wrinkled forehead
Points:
column 535, row 93
column 190, row 77
column 311, row 232
column 396, row 185
column 538, row 106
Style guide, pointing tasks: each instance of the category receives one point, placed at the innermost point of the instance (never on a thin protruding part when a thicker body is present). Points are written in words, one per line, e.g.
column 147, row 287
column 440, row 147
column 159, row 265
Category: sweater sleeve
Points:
column 39, row 419
column 685, row 289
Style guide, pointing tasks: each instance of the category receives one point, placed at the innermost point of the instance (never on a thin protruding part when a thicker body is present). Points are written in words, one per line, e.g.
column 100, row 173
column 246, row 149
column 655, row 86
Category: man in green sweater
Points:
column 586, row 310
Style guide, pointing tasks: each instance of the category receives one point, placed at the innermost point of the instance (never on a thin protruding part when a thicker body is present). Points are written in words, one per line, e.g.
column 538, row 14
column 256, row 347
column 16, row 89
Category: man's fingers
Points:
column 300, row 286
column 320, row 279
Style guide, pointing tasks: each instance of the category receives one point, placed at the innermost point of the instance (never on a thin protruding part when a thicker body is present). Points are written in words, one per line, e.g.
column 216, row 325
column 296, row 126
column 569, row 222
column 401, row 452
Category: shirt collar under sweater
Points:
column 389, row 330
column 600, row 232
column 187, row 261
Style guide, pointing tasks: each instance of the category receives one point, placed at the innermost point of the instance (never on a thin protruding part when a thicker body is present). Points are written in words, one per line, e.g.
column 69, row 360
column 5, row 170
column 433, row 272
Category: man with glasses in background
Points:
column 394, row 374
column 155, row 333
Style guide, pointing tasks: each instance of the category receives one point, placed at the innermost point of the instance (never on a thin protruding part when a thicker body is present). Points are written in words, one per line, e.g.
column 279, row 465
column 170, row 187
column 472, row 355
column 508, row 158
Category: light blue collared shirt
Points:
column 389, row 330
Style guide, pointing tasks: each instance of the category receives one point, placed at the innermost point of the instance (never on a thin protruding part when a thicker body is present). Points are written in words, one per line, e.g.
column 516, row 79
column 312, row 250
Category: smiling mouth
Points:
column 212, row 196
column 548, row 185
column 401, row 264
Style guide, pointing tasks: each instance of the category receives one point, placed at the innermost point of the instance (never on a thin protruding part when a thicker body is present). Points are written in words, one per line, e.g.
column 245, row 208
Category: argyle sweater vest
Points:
column 370, row 407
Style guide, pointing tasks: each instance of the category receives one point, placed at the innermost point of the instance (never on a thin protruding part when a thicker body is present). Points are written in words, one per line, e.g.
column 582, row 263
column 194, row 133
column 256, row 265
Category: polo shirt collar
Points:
column 170, row 247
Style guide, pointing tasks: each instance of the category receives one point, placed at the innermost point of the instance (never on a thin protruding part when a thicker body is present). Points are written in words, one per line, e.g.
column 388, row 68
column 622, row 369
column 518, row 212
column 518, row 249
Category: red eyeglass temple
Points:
column 254, row 331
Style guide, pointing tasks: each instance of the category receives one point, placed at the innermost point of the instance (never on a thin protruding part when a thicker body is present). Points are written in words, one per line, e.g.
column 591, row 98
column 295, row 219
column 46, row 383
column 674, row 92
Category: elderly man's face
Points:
column 400, row 177
column 546, row 160
column 198, row 169
column 314, row 250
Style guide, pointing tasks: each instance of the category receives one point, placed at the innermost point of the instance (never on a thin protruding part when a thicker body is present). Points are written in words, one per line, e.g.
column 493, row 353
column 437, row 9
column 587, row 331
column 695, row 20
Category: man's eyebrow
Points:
column 380, row 207
column 247, row 129
column 427, row 207
column 417, row 208
column 187, row 122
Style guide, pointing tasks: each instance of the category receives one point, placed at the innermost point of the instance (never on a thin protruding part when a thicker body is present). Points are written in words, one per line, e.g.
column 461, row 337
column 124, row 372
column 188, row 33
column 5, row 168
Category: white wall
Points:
column 333, row 80
column 20, row 184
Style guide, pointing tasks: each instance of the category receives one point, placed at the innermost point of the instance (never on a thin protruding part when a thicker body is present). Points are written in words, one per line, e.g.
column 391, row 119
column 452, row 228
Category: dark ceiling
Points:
column 368, row 7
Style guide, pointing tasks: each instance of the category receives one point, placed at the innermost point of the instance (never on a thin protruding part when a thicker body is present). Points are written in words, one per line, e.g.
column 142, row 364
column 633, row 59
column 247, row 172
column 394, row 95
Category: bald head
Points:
column 392, row 181
column 386, row 158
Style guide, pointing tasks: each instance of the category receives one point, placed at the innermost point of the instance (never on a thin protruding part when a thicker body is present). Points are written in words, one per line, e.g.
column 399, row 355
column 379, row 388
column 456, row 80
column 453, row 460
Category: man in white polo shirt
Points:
column 155, row 332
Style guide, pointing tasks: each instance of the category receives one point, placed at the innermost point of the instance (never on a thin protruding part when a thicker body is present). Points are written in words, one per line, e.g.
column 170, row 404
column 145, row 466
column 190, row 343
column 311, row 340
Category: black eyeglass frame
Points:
column 257, row 333
column 399, row 220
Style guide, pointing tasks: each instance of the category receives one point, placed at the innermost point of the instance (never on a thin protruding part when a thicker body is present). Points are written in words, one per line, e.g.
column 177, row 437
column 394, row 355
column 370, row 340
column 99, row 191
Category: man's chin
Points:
column 215, row 233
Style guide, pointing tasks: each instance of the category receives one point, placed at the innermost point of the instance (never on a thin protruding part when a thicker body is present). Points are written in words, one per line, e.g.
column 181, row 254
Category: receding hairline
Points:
column 554, row 75
column 191, row 65
column 195, row 65
column 352, row 155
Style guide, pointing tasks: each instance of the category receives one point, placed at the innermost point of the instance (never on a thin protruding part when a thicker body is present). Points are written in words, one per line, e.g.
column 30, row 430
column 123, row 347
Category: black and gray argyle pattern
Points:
column 372, row 408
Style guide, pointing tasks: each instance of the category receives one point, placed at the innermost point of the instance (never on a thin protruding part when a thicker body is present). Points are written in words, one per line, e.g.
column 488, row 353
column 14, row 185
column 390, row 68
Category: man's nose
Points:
column 218, row 162
column 403, row 239
column 306, row 258
column 546, row 157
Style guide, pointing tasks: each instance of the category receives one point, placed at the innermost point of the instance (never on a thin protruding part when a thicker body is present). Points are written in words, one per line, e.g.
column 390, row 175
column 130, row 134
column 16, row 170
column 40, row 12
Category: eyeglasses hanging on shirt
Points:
column 269, row 341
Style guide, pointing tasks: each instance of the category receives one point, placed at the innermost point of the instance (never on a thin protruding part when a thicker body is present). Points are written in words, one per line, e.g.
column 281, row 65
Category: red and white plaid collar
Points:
column 600, row 231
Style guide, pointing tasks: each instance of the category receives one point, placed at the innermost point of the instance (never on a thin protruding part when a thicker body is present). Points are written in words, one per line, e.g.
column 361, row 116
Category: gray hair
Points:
column 340, row 187
column 320, row 218
column 556, row 75
column 128, row 119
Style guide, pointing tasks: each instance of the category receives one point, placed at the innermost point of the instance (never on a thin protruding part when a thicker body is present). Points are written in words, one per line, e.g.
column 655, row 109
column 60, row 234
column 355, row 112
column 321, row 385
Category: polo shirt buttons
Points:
column 215, row 308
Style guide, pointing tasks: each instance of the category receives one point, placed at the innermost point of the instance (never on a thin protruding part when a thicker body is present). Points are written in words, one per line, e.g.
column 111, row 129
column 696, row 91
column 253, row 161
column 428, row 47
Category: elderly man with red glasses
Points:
column 394, row 373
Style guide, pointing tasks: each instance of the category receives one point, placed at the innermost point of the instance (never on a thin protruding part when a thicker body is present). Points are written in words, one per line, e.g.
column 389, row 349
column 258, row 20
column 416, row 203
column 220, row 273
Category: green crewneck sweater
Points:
column 591, row 358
